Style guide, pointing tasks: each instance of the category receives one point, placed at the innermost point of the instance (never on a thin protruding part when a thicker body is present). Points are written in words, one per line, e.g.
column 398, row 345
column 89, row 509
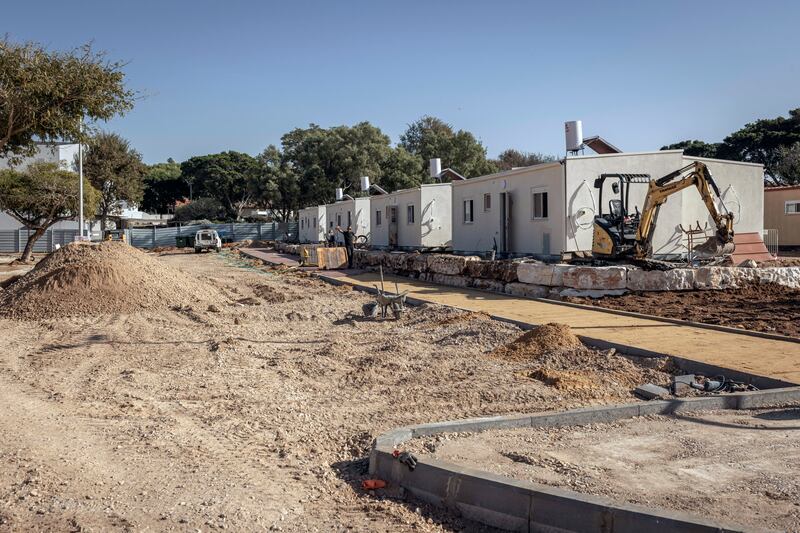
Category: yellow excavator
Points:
column 619, row 235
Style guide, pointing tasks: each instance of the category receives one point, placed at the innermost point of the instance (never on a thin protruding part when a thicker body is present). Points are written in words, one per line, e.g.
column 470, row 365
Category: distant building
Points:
column 61, row 153
column 782, row 212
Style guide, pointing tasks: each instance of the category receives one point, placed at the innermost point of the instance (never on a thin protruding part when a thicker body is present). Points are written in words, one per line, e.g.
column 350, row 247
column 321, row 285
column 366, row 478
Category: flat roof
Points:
column 781, row 188
column 512, row 172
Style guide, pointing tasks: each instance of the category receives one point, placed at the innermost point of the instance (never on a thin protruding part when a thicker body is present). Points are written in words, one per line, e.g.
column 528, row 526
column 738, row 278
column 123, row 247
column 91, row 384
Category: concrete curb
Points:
column 516, row 505
column 689, row 365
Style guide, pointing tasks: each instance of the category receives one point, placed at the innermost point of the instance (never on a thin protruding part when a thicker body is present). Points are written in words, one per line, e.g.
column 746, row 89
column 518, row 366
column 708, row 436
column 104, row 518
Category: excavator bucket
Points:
column 715, row 246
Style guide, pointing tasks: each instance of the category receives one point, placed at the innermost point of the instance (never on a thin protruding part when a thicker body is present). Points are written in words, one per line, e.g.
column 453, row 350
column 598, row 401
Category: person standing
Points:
column 349, row 238
column 331, row 238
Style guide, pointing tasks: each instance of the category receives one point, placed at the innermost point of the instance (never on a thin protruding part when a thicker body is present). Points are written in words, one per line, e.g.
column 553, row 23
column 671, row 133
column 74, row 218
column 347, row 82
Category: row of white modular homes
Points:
column 542, row 210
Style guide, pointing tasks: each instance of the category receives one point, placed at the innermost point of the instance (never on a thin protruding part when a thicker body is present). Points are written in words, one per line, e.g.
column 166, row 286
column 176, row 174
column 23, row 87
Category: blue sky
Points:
column 236, row 75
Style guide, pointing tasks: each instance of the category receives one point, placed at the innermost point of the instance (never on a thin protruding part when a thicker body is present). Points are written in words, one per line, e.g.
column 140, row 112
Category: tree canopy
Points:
column 115, row 170
column 765, row 141
column 430, row 137
column 512, row 158
column 42, row 195
column 44, row 94
column 230, row 177
column 163, row 187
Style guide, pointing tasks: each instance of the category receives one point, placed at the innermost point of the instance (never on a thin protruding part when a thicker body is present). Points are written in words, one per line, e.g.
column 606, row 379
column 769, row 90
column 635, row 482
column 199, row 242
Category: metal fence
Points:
column 14, row 241
column 770, row 237
column 268, row 231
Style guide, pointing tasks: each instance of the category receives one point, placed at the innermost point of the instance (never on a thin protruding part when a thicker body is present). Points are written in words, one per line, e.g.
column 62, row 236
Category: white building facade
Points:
column 413, row 218
column 311, row 224
column 350, row 212
column 549, row 209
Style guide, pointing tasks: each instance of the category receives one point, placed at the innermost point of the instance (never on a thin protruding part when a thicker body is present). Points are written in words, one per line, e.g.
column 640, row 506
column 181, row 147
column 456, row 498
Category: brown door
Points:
column 391, row 216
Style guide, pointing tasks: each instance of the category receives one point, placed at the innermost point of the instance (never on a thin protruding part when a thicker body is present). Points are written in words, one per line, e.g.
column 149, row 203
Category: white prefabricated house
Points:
column 549, row 209
column 350, row 212
column 413, row 218
column 312, row 224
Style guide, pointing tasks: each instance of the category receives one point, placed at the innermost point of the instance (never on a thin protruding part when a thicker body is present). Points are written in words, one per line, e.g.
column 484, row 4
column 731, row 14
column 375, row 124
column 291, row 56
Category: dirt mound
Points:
column 110, row 277
column 539, row 341
column 558, row 359
column 764, row 307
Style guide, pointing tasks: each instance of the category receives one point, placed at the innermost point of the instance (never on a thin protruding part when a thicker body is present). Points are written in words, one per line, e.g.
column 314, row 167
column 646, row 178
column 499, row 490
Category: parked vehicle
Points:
column 207, row 239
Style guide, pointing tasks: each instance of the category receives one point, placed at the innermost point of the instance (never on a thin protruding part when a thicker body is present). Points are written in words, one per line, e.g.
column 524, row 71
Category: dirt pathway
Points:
column 248, row 416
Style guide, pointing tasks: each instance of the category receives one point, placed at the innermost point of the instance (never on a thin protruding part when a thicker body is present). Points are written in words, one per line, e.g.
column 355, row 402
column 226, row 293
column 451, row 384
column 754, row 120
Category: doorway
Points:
column 391, row 216
column 504, row 245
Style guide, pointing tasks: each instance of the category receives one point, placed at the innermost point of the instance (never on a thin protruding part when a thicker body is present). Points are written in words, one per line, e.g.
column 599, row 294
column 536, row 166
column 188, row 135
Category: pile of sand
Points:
column 110, row 277
column 556, row 357
column 539, row 341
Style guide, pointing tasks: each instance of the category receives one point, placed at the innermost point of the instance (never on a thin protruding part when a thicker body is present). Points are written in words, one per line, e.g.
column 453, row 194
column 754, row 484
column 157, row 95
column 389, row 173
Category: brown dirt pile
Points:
column 766, row 307
column 539, row 341
column 558, row 359
column 110, row 277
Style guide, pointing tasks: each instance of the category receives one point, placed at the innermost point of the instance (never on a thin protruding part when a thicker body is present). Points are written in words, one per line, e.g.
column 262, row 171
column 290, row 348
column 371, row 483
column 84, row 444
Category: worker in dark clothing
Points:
column 331, row 238
column 349, row 238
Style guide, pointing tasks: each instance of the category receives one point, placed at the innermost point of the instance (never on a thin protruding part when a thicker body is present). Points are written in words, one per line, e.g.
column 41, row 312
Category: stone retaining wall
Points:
column 542, row 280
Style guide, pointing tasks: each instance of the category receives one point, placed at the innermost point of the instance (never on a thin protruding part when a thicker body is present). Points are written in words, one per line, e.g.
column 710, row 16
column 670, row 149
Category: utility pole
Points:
column 80, row 177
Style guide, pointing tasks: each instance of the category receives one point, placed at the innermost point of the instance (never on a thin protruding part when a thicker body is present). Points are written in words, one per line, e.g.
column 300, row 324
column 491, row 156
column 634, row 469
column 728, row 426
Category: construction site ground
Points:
column 767, row 308
column 766, row 357
column 232, row 395
column 701, row 463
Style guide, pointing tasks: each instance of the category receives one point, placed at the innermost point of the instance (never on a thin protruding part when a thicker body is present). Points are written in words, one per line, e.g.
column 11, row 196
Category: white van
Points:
column 207, row 239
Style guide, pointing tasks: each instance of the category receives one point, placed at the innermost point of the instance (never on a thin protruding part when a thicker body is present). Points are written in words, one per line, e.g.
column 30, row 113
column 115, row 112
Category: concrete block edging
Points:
column 517, row 505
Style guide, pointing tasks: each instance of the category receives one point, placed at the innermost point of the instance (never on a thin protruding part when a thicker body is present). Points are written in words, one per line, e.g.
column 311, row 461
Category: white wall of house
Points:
column 431, row 225
column 62, row 153
column 349, row 212
column 528, row 232
column 312, row 224
column 740, row 184
column 572, row 202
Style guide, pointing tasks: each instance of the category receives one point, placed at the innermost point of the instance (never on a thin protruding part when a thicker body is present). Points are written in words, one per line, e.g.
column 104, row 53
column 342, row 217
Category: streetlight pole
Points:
column 80, row 177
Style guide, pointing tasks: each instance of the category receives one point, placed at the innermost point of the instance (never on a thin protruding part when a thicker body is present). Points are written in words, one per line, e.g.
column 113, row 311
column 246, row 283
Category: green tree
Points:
column 163, row 187
column 44, row 94
column 696, row 148
column 229, row 177
column 324, row 159
column 201, row 209
column 761, row 142
column 401, row 171
column 278, row 186
column 430, row 137
column 764, row 141
column 788, row 166
column 42, row 195
column 115, row 169
column 511, row 158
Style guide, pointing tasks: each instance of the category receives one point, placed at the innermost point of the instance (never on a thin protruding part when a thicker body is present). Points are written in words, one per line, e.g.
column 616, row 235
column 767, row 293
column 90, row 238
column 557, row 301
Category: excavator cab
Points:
column 619, row 234
column 615, row 230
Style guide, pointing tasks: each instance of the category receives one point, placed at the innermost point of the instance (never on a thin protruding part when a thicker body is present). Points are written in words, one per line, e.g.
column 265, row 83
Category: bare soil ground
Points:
column 249, row 404
column 703, row 463
column 768, row 308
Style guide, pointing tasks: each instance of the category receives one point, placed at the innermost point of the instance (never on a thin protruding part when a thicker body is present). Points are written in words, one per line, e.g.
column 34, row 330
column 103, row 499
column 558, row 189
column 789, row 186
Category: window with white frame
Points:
column 349, row 219
column 792, row 207
column 410, row 214
column 339, row 219
column 487, row 202
column 540, row 210
column 469, row 217
column 313, row 222
column 378, row 217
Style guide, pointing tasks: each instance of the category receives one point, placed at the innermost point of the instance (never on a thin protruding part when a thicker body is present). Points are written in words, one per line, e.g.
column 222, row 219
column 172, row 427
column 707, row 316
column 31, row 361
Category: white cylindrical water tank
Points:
column 573, row 131
column 364, row 183
column 339, row 193
column 435, row 167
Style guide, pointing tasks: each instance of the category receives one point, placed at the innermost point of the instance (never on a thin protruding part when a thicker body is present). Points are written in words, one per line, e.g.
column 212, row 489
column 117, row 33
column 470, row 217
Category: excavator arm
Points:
column 695, row 174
